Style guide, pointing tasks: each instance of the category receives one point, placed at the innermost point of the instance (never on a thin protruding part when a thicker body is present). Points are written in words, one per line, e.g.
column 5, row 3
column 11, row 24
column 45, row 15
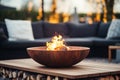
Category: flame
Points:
column 56, row 43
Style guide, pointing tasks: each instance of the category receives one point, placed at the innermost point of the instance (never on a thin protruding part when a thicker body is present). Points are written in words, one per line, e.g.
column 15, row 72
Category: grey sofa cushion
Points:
column 82, row 29
column 51, row 29
column 103, row 29
column 37, row 29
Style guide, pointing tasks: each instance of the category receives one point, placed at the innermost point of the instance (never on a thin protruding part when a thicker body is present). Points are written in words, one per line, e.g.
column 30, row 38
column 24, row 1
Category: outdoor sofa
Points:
column 82, row 34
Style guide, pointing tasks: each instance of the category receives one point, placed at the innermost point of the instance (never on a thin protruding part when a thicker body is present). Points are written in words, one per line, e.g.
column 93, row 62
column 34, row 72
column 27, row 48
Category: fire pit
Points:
column 57, row 54
column 58, row 58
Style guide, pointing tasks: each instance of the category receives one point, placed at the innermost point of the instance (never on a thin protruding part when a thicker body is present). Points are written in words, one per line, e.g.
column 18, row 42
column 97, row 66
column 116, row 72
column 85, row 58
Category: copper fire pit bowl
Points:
column 58, row 59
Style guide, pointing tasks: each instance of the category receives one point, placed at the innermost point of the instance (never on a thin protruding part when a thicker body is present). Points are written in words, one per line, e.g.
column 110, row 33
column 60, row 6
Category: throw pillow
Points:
column 114, row 29
column 19, row 29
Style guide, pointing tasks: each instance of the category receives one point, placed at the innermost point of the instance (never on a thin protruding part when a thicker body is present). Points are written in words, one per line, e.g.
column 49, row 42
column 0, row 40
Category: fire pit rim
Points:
column 43, row 48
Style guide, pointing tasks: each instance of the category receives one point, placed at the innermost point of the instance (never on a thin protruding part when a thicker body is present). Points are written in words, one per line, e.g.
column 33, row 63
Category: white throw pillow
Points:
column 114, row 29
column 19, row 29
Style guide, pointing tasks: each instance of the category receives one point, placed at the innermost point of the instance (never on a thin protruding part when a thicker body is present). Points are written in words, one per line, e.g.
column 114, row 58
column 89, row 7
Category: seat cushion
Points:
column 97, row 41
column 24, row 44
column 78, row 41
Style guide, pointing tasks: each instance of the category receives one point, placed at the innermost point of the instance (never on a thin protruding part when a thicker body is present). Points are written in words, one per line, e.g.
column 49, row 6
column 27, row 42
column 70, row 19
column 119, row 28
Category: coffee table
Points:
column 28, row 69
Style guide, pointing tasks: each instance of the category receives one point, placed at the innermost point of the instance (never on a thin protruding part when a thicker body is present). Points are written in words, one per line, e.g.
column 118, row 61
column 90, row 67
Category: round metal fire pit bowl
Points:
column 58, row 59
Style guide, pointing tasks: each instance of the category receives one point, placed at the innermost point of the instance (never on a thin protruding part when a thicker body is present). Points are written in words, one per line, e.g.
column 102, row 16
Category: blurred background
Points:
column 55, row 11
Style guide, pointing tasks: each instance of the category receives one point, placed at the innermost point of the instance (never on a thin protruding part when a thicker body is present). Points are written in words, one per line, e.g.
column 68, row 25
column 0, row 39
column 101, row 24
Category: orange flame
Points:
column 57, row 43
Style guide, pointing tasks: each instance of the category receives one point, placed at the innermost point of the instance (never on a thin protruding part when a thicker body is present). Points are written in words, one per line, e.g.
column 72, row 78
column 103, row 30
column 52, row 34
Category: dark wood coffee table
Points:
column 85, row 70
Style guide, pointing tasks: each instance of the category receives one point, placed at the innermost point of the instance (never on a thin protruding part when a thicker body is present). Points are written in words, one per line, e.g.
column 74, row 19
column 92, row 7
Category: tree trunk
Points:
column 109, row 6
column 43, row 10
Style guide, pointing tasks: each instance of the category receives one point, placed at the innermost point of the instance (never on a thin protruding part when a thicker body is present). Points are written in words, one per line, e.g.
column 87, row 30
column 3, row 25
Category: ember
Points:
column 56, row 43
